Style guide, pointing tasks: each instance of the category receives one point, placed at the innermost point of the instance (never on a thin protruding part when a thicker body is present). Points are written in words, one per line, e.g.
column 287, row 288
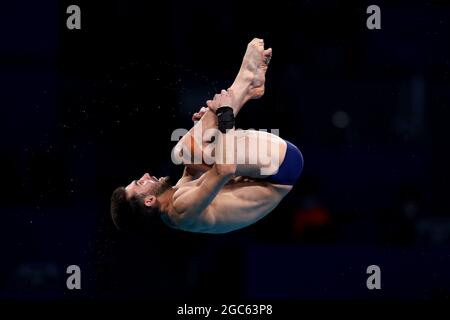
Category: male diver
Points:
column 218, row 196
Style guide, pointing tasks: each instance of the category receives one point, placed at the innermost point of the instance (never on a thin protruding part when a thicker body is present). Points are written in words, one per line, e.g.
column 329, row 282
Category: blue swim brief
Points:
column 291, row 168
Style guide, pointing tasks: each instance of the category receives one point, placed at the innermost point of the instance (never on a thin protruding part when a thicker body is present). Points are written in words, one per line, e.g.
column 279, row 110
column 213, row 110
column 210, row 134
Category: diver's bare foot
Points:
column 254, row 66
column 249, row 83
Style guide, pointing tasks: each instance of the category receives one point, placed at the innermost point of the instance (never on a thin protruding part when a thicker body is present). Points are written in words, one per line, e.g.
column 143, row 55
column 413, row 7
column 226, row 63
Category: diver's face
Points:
column 146, row 185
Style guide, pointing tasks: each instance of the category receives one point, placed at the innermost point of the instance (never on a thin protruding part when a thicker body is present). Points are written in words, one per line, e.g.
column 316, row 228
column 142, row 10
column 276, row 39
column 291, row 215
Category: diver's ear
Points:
column 150, row 201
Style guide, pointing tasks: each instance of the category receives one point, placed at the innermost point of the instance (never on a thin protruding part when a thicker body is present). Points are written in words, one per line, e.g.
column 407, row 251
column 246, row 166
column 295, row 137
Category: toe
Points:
column 268, row 52
column 267, row 55
column 256, row 42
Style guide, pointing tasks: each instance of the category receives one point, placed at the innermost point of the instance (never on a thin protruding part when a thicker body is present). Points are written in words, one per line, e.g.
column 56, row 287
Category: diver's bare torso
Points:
column 240, row 202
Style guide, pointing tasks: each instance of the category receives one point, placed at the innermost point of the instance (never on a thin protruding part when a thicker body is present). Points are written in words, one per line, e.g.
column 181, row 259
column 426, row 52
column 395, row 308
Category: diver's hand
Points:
column 224, row 98
column 198, row 115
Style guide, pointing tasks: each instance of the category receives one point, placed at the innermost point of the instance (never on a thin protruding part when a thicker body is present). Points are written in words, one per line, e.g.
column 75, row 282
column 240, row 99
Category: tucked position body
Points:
column 218, row 195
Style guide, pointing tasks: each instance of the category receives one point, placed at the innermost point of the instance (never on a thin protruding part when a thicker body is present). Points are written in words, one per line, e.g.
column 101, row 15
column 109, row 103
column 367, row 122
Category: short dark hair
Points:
column 130, row 214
